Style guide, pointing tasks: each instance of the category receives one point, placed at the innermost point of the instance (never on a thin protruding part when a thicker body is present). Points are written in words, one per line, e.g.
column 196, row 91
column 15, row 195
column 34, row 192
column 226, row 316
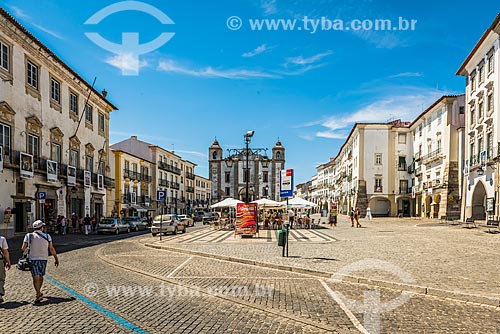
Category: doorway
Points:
column 20, row 216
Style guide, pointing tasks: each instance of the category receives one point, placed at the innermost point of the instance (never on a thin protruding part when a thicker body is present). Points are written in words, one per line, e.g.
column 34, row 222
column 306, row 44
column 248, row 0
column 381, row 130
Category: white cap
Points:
column 37, row 224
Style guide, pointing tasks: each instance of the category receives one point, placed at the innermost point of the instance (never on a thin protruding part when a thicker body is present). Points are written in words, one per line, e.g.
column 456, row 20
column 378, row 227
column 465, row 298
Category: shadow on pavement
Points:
column 312, row 258
column 54, row 300
column 12, row 305
column 69, row 242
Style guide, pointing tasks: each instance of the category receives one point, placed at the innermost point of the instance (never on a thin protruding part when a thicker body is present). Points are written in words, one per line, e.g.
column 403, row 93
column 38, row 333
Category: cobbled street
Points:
column 125, row 286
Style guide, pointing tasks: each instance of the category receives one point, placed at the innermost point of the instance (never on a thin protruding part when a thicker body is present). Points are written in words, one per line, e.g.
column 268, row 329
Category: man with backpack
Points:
column 38, row 244
column 4, row 265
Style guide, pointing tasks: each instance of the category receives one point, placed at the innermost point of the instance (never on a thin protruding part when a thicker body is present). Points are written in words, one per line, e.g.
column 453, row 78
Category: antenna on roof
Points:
column 173, row 148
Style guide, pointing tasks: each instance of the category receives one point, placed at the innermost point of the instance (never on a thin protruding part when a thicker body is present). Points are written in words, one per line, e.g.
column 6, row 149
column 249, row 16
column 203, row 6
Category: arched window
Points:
column 214, row 155
column 278, row 155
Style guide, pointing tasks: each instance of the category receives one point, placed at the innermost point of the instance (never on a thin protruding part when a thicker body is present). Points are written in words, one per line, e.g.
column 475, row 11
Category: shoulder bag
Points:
column 24, row 264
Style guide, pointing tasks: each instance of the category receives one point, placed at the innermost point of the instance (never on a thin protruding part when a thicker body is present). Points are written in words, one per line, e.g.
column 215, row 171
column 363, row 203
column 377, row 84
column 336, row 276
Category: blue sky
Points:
column 304, row 88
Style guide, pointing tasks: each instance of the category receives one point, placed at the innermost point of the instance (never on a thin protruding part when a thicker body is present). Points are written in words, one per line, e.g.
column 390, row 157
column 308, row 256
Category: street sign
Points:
column 286, row 183
column 161, row 195
column 42, row 196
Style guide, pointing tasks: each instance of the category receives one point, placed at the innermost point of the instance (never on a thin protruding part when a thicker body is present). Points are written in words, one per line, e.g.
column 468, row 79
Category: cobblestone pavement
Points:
column 436, row 255
column 168, row 292
column 220, row 236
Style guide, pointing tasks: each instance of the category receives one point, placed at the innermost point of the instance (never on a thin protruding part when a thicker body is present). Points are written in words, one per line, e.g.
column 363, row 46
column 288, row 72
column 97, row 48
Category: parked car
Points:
column 167, row 224
column 112, row 225
column 188, row 221
column 136, row 223
column 198, row 216
column 210, row 217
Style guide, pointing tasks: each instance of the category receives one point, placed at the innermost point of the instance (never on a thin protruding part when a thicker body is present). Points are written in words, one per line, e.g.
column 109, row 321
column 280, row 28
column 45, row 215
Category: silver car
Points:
column 112, row 225
column 167, row 224
column 188, row 221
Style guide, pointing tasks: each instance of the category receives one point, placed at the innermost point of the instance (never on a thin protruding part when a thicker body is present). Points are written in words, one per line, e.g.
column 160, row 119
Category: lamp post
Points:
column 247, row 136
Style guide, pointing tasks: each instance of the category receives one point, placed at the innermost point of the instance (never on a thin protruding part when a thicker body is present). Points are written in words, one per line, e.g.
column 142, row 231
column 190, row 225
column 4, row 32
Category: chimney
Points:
column 104, row 93
column 133, row 137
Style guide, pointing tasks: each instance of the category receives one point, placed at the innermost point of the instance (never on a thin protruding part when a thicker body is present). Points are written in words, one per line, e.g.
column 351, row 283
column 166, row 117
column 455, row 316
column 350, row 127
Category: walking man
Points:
column 356, row 217
column 39, row 242
column 291, row 217
column 64, row 224
column 87, row 224
column 4, row 265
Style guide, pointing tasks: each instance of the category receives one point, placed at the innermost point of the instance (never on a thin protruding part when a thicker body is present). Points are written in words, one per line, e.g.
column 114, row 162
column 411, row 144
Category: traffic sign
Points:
column 161, row 195
column 286, row 183
column 42, row 195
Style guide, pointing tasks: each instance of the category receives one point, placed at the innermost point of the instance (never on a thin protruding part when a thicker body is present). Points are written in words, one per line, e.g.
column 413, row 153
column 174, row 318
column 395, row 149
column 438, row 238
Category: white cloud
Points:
column 195, row 153
column 19, row 13
column 257, row 51
column 306, row 61
column 404, row 107
column 269, row 6
column 126, row 62
column 406, row 75
column 210, row 72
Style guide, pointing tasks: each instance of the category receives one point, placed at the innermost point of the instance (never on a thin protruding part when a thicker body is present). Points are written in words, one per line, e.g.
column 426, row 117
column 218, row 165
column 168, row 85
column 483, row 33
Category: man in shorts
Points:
column 4, row 264
column 39, row 243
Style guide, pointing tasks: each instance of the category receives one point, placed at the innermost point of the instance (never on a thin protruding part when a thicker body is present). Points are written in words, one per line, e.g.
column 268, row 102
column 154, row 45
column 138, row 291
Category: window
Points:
column 480, row 110
column 246, row 175
column 491, row 62
column 378, row 158
column 480, row 145
column 473, row 82
column 33, row 145
column 489, row 144
column 439, row 145
column 88, row 113
column 74, row 158
column 278, row 155
column 490, row 102
column 440, row 118
column 228, row 177
column 265, row 176
column 461, row 110
column 378, row 184
column 101, row 122
column 127, row 165
column 420, row 130
column 481, row 73
column 429, row 147
column 4, row 56
column 32, row 74
column 55, row 90
column 472, row 116
column 73, row 103
column 5, row 139
column 429, row 122
column 102, row 167
column 403, row 186
column 472, row 150
column 402, row 163
column 402, row 138
column 89, row 163
column 55, row 152
column 228, row 191
column 134, row 168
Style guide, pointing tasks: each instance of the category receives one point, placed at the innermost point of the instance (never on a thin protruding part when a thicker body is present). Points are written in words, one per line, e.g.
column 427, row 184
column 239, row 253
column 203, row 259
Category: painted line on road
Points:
column 179, row 267
column 344, row 308
column 322, row 235
column 115, row 318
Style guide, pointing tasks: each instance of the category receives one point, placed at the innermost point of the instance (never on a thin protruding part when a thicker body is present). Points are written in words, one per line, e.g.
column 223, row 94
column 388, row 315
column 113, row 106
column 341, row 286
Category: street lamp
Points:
column 247, row 136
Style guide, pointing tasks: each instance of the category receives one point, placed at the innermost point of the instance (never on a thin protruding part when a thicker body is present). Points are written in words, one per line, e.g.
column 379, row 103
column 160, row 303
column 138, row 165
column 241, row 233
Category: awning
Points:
column 138, row 208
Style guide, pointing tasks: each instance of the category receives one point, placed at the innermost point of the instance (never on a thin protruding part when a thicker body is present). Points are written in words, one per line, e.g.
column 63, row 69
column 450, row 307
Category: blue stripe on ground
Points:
column 115, row 318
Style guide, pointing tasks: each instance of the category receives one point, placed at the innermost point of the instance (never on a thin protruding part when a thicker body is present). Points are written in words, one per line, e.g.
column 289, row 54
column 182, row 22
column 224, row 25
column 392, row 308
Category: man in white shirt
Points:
column 4, row 264
column 39, row 244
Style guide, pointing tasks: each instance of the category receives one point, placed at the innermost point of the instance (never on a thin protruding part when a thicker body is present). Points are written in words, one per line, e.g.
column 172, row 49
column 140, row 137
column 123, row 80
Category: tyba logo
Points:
column 129, row 47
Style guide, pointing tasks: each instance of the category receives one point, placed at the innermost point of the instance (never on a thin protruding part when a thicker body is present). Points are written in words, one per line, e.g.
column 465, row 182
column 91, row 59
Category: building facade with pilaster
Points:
column 53, row 142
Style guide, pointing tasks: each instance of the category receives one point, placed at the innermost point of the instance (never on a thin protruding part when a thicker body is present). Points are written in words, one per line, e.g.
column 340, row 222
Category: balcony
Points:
column 432, row 156
column 144, row 178
column 418, row 171
column 175, row 185
column 109, row 182
column 436, row 183
column 417, row 156
column 190, row 189
column 163, row 182
column 402, row 167
column 144, row 200
column 131, row 175
column 474, row 160
column 190, row 176
column 411, row 169
column 129, row 198
column 404, row 191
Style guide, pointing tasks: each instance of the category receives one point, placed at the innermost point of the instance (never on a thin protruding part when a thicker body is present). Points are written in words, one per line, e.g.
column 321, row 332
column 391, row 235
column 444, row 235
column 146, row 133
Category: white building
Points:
column 481, row 126
column 437, row 136
column 203, row 192
column 52, row 142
